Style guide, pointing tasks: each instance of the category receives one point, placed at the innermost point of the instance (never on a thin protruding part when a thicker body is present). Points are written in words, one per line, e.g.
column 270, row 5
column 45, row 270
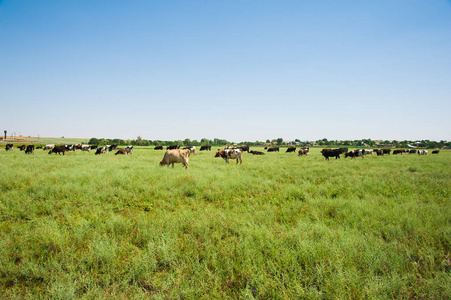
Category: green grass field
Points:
column 279, row 226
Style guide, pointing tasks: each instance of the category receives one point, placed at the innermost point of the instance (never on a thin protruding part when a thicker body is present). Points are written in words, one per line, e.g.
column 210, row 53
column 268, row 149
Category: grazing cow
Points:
column 176, row 156
column 49, row 147
column 290, row 149
column 379, row 152
column 129, row 149
column 22, row 148
column 70, row 147
column 58, row 149
column 191, row 149
column 436, row 152
column 158, row 148
column 93, row 147
column 244, row 148
column 422, row 152
column 112, row 148
column 30, row 149
column 356, row 153
column 39, row 147
column 173, row 147
column 331, row 153
column 368, row 151
column 9, row 147
column 386, row 151
column 303, row 151
column 343, row 150
column 86, row 148
column 256, row 152
column 207, row 148
column 412, row 151
column 398, row 151
column 121, row 151
column 230, row 154
column 78, row 146
column 274, row 149
column 102, row 150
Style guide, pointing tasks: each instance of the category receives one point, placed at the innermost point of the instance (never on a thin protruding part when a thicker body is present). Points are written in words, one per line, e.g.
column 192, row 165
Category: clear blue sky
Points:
column 236, row 70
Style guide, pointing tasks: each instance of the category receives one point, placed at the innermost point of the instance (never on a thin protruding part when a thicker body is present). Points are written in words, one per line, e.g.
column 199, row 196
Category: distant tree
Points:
column 187, row 142
column 279, row 141
column 93, row 141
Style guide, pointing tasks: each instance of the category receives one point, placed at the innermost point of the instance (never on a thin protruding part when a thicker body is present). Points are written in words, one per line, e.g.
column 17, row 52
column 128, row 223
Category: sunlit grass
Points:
column 277, row 226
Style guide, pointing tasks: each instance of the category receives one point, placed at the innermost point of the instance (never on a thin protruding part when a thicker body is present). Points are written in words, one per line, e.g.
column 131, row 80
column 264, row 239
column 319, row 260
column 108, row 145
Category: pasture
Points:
column 278, row 226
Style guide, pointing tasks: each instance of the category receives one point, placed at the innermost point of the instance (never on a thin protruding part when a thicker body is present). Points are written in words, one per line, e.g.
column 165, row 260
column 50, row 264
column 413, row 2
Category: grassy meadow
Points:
column 279, row 226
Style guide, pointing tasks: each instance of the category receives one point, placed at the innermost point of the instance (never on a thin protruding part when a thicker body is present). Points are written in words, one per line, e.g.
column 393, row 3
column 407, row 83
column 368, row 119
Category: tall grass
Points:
column 278, row 226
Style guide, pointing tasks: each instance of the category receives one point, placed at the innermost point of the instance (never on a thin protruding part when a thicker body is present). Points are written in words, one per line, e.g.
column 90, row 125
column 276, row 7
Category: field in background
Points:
column 44, row 140
column 278, row 226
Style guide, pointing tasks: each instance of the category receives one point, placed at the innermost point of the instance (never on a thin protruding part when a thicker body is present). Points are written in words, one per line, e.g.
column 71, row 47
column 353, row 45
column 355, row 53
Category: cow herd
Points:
column 62, row 149
column 176, row 155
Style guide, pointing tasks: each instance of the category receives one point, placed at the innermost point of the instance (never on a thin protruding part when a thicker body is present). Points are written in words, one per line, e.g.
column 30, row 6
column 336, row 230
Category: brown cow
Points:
column 175, row 156
column 58, row 149
column 121, row 151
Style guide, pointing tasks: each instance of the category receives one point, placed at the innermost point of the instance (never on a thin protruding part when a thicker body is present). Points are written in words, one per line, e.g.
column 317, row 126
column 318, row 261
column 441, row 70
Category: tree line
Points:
column 139, row 141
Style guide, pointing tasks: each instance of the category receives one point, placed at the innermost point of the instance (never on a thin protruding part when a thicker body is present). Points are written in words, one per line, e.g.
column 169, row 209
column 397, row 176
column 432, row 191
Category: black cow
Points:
column 386, row 151
column 102, row 150
column 173, row 147
column 9, row 147
column 256, row 152
column 290, row 149
column 355, row 153
column 244, row 148
column 379, row 152
column 30, row 149
column 22, row 148
column 112, row 148
column 331, row 153
column 436, row 152
column 398, row 151
column 93, row 147
column 158, row 148
column 274, row 149
column 343, row 150
column 121, row 151
column 207, row 148
column 58, row 149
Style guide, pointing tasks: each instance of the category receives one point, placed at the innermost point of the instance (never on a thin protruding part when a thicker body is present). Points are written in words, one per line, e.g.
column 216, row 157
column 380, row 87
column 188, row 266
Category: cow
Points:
column 274, row 149
column 121, row 151
column 379, row 152
column 356, row 153
column 368, row 151
column 290, row 149
column 422, row 152
column 112, row 148
column 436, row 152
column 303, row 151
column 343, row 150
column 230, row 154
column 207, row 148
column 331, row 153
column 86, row 148
column 49, row 147
column 70, row 147
column 129, row 149
column 22, row 148
column 244, row 148
column 30, row 149
column 93, row 147
column 9, row 147
column 412, row 151
column 158, row 148
column 173, row 147
column 398, row 151
column 58, row 149
column 176, row 156
column 256, row 152
column 191, row 149
column 102, row 150
column 386, row 151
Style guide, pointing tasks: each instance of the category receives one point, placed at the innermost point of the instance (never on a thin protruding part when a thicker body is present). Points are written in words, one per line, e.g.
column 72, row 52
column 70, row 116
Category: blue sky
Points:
column 236, row 70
